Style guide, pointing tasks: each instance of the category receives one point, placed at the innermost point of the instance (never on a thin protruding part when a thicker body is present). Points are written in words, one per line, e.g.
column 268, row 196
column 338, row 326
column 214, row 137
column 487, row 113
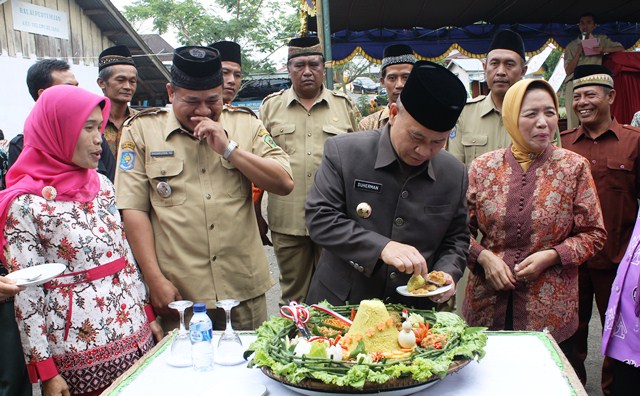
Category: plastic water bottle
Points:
column 201, row 332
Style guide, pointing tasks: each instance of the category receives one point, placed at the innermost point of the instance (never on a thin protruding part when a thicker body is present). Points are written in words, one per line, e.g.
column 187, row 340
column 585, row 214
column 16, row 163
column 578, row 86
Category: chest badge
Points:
column 164, row 189
column 363, row 210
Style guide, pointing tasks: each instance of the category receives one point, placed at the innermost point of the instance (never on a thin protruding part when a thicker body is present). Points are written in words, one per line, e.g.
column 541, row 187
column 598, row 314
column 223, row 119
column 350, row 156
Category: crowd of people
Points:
column 148, row 207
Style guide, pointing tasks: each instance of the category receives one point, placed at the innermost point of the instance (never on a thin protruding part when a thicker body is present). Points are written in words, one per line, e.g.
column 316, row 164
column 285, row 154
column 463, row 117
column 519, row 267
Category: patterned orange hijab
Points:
column 511, row 107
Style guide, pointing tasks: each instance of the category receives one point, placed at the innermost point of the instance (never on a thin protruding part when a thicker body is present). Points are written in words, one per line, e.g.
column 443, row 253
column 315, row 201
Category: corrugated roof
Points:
column 152, row 74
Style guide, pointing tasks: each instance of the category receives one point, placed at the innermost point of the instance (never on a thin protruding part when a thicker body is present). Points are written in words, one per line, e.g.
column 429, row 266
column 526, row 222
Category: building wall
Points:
column 19, row 50
column 85, row 42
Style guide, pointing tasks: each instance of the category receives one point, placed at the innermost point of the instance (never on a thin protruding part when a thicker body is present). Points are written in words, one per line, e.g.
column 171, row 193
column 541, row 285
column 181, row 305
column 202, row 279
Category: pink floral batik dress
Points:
column 88, row 324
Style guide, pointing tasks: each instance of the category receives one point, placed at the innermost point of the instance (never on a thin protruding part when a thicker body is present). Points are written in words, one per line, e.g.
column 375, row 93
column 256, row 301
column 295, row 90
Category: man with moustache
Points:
column 118, row 79
column 397, row 62
column 614, row 153
column 301, row 119
column 184, row 187
column 388, row 203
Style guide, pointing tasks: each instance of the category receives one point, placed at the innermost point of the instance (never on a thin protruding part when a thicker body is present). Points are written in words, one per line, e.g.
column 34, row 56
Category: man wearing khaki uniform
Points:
column 184, row 185
column 479, row 128
column 301, row 119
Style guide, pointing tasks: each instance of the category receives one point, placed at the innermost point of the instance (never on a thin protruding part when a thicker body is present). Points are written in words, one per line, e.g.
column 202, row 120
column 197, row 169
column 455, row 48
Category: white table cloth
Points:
column 516, row 363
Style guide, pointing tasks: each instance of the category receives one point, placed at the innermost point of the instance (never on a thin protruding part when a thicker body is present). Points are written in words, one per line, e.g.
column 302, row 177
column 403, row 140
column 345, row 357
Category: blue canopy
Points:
column 435, row 27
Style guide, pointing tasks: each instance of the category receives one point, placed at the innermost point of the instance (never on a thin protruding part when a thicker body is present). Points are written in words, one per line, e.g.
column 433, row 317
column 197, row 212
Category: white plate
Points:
column 395, row 392
column 237, row 388
column 403, row 290
column 37, row 275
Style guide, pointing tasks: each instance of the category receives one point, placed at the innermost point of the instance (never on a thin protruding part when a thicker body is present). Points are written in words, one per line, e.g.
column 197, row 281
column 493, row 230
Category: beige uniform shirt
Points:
column 302, row 133
column 112, row 133
column 374, row 121
column 206, row 236
column 478, row 130
column 572, row 48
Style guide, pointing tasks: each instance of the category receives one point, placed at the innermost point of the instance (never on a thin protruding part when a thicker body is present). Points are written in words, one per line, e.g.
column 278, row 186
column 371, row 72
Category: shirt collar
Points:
column 128, row 114
column 387, row 155
column 488, row 106
column 582, row 133
column 173, row 125
column 292, row 96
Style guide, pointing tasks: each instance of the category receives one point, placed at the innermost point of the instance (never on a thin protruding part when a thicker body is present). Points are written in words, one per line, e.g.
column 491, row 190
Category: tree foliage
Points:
column 550, row 63
column 259, row 26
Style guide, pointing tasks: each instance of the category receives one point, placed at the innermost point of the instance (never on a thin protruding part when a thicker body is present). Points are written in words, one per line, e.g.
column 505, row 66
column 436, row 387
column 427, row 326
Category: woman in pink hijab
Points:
column 84, row 328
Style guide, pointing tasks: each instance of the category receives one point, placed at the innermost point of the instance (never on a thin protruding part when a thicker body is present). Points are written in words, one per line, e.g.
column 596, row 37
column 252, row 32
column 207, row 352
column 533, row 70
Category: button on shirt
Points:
column 615, row 165
column 302, row 133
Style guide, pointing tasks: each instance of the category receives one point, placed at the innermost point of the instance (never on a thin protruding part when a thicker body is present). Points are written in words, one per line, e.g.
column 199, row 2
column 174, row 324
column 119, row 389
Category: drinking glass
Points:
column 181, row 346
column 230, row 348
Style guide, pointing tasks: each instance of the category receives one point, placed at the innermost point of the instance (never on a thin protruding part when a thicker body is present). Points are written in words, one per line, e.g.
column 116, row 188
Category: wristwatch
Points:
column 227, row 152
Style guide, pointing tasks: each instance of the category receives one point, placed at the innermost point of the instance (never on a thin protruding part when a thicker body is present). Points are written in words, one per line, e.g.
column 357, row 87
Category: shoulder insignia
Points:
column 240, row 109
column 630, row 127
column 273, row 95
column 340, row 94
column 145, row 112
column 477, row 99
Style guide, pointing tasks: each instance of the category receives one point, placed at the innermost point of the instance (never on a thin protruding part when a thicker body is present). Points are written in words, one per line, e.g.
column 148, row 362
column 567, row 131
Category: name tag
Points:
column 364, row 185
column 166, row 153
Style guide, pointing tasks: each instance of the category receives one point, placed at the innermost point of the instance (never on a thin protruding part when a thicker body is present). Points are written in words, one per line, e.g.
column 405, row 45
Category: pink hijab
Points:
column 51, row 132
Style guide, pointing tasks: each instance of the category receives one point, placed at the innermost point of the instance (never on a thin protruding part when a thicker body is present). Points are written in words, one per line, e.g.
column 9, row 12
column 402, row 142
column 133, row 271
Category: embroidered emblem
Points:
column 452, row 134
column 127, row 160
column 49, row 193
column 128, row 145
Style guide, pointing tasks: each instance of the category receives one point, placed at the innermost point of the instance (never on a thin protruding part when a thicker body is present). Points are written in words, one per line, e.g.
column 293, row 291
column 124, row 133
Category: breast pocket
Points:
column 236, row 184
column 169, row 172
column 438, row 210
column 621, row 175
column 473, row 145
column 283, row 136
column 332, row 130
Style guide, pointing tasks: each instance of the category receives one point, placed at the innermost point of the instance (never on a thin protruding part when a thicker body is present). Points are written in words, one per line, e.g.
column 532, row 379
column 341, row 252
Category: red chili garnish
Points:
column 353, row 314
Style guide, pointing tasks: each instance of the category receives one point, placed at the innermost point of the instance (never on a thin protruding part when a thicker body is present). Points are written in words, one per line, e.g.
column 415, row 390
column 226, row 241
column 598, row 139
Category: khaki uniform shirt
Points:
column 112, row 133
column 572, row 47
column 478, row 130
column 374, row 121
column 302, row 133
column 206, row 236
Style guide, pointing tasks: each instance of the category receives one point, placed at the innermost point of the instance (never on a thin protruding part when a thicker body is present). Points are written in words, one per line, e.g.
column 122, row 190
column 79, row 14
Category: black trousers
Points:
column 14, row 380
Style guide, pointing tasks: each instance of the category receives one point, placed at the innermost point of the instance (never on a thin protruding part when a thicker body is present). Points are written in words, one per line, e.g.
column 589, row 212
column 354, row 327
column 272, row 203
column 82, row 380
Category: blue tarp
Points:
column 473, row 40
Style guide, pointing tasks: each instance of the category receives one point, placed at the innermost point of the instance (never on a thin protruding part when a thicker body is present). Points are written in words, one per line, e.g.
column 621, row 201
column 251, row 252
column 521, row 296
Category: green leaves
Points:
column 259, row 26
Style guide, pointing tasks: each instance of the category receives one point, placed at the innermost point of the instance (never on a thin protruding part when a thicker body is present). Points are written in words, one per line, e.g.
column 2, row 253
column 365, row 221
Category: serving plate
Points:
column 403, row 290
column 394, row 387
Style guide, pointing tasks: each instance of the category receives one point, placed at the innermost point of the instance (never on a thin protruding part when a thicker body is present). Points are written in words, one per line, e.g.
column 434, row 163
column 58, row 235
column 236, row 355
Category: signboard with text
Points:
column 40, row 20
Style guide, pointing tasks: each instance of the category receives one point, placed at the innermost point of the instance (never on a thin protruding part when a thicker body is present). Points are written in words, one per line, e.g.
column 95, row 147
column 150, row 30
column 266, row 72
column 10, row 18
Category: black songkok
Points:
column 303, row 46
column 229, row 51
column 592, row 75
column 433, row 96
column 118, row 55
column 396, row 54
column 509, row 40
column 196, row 68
